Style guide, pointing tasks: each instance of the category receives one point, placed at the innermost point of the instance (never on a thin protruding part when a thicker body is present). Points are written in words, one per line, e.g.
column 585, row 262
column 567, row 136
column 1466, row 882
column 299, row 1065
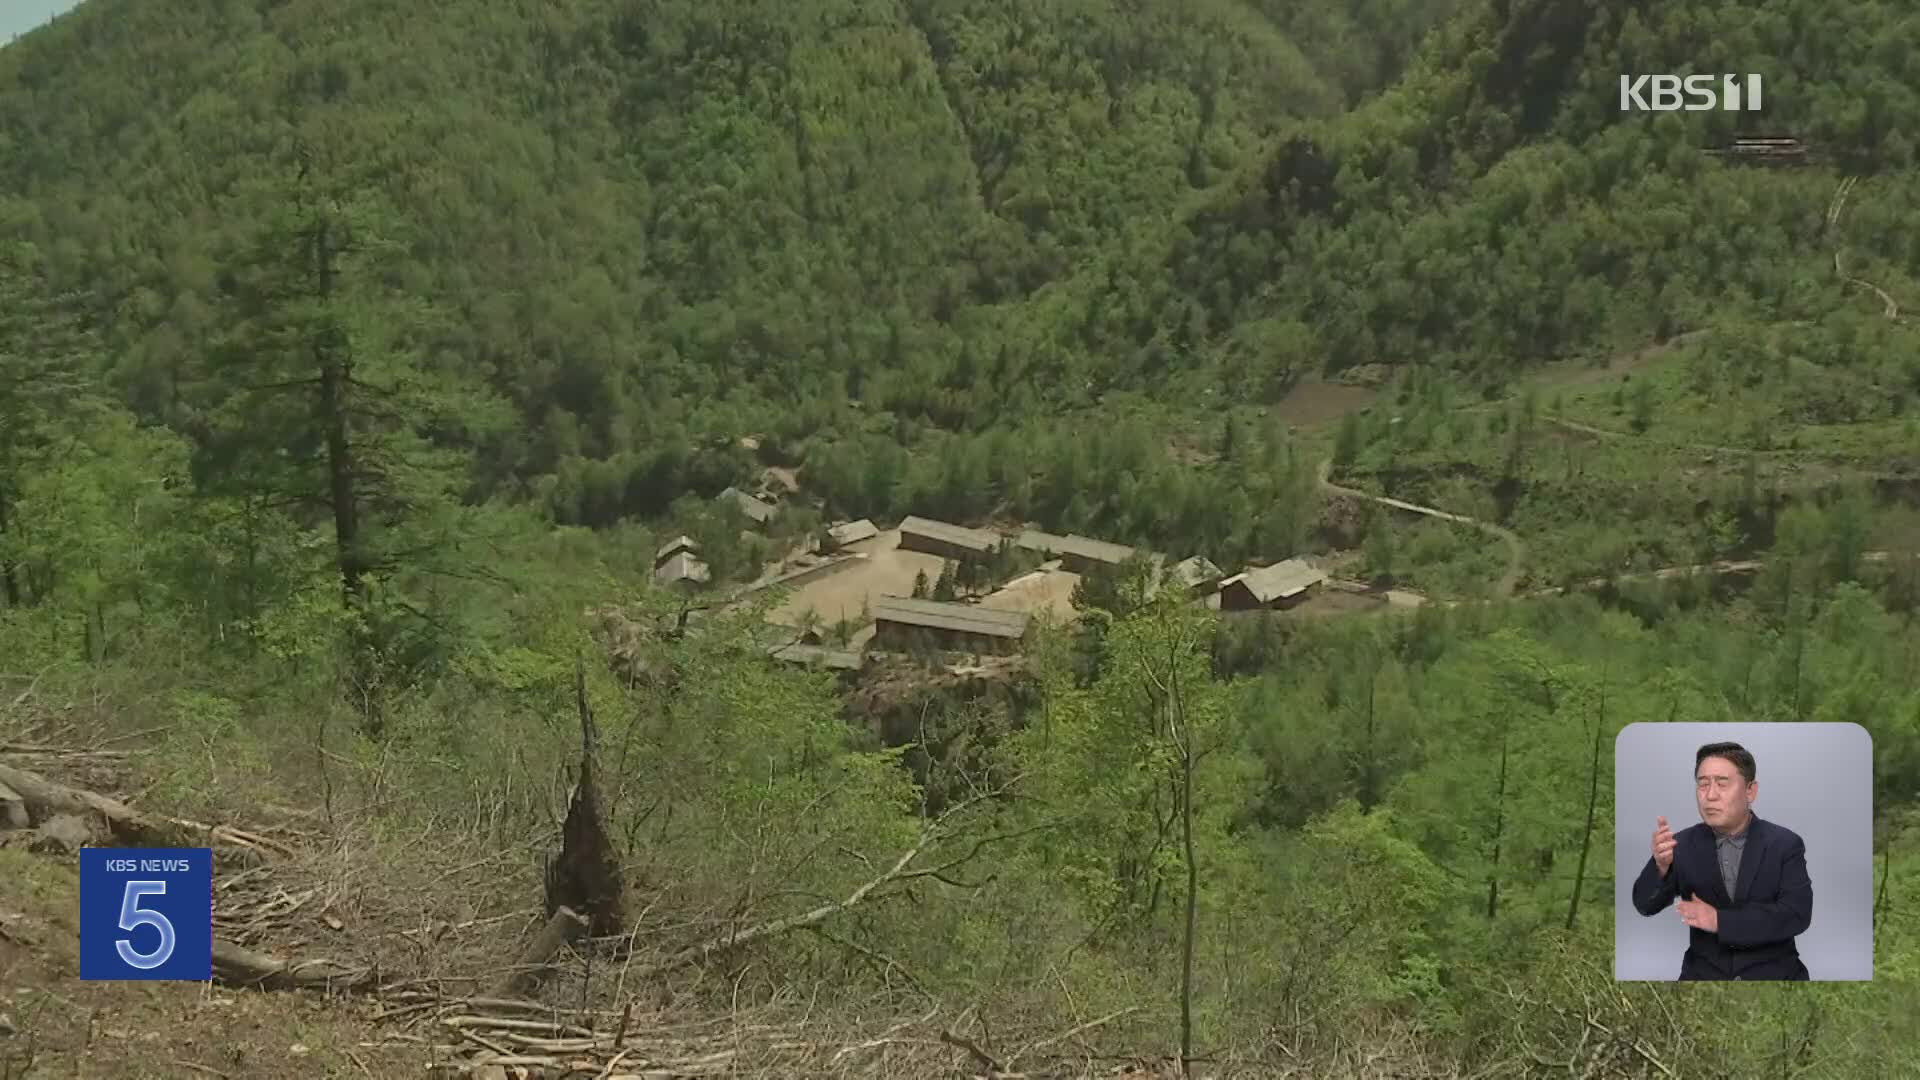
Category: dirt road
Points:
column 1724, row 566
column 1516, row 548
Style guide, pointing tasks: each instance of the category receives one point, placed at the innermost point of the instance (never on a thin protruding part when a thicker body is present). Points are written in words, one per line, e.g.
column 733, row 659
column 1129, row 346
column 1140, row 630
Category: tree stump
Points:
column 585, row 876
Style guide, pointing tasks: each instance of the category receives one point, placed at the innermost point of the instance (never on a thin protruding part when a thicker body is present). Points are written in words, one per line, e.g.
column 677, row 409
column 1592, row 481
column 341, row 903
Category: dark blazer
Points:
column 1772, row 902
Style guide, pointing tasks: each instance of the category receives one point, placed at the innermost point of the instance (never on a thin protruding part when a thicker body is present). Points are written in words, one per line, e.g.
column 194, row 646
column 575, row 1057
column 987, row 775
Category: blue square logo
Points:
column 146, row 913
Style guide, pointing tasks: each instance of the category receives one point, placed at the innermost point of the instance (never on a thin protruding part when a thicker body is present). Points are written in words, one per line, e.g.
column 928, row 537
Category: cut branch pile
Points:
column 527, row 1041
column 495, row 1038
column 268, row 916
column 506, row 1036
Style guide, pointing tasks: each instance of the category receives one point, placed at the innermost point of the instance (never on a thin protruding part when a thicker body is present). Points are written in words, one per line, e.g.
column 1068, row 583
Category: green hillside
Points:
column 357, row 357
column 735, row 206
column 639, row 229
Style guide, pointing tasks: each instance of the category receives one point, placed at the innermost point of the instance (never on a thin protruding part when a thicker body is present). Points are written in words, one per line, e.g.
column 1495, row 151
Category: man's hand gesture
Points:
column 1663, row 845
column 1699, row 914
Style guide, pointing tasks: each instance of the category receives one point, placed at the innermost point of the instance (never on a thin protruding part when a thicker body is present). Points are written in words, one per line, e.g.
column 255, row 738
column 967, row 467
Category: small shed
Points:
column 852, row 532
column 947, row 541
column 682, row 568
column 1197, row 575
column 1280, row 586
column 903, row 624
column 674, row 547
column 758, row 510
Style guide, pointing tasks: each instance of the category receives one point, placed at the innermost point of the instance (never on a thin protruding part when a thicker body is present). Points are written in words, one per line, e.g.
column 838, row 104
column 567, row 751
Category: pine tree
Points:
column 1346, row 443
column 317, row 401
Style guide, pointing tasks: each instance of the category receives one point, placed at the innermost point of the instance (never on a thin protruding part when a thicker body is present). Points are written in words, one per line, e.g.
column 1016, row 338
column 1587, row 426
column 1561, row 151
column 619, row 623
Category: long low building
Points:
column 1077, row 553
column 902, row 624
column 1280, row 586
column 1044, row 543
column 947, row 541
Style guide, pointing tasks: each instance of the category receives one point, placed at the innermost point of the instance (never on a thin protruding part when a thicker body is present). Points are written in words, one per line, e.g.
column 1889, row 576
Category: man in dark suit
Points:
column 1739, row 883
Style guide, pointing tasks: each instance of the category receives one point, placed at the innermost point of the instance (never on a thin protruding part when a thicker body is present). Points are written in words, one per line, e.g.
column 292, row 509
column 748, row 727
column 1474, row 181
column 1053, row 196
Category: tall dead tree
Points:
column 585, row 876
column 1499, row 820
column 1593, row 803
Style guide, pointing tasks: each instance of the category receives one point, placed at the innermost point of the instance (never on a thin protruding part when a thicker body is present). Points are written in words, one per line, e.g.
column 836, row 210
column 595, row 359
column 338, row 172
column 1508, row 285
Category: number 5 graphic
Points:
column 133, row 916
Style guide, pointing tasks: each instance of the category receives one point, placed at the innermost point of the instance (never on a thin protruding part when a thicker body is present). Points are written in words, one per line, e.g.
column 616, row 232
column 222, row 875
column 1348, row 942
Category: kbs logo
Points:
column 146, row 913
column 1664, row 93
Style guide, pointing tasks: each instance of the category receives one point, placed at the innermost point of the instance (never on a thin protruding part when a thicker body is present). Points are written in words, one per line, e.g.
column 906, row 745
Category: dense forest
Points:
column 350, row 351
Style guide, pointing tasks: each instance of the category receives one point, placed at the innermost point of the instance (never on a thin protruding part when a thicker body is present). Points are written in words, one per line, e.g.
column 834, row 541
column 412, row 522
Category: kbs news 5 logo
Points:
column 146, row 913
column 1689, row 93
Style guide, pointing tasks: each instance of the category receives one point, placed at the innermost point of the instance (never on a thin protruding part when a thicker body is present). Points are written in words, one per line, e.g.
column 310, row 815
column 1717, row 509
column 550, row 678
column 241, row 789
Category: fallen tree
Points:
column 43, row 799
column 236, row 966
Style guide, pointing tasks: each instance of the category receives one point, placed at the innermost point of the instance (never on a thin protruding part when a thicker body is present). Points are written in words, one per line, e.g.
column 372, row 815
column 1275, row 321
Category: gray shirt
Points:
column 1729, row 849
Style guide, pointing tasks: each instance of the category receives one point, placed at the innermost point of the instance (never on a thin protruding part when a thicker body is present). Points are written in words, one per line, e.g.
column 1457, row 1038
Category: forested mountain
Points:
column 637, row 226
column 1496, row 206
column 616, row 209
column 351, row 351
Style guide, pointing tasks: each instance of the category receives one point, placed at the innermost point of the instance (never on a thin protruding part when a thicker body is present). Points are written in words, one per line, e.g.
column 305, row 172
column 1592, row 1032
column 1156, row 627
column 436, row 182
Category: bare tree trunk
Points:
column 1799, row 669
column 1499, row 824
column 9, row 580
column 1881, row 905
column 336, row 373
column 253, row 580
column 235, row 966
column 536, row 961
column 1593, row 799
column 43, row 799
column 1183, row 739
column 1369, row 781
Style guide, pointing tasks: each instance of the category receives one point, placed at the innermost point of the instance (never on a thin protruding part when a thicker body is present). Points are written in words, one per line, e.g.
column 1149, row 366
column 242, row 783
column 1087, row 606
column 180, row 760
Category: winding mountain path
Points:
column 1724, row 566
column 1837, row 464
column 1516, row 548
column 1834, row 209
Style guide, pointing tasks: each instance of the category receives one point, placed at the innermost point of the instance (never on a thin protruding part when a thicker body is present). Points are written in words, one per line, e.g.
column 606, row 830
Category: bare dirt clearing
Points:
column 1316, row 402
column 885, row 570
column 1044, row 590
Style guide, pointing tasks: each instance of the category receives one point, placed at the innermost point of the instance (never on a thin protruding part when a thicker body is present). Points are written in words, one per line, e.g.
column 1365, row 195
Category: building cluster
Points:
column 911, row 624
